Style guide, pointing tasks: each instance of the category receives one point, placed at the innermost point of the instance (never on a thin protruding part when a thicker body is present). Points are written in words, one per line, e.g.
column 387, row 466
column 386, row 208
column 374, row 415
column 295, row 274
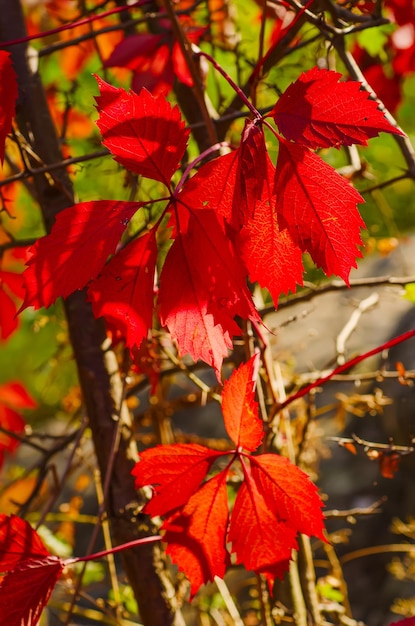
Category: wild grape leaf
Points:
column 240, row 409
column 123, row 293
column 318, row 208
column 269, row 252
column 202, row 288
column 175, row 472
column 81, row 239
column 8, row 97
column 318, row 111
column 144, row 133
column 204, row 516
column 25, row 591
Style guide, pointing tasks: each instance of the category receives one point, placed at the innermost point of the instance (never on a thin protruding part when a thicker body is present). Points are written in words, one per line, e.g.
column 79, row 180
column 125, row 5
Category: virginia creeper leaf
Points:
column 81, row 239
column 16, row 396
column 144, row 133
column 11, row 284
column 124, row 291
column 18, row 542
column 175, row 472
column 8, row 97
column 202, row 288
column 269, row 253
column 196, row 535
column 240, row 410
column 25, row 590
column 259, row 538
column 289, row 493
column 318, row 207
column 318, row 111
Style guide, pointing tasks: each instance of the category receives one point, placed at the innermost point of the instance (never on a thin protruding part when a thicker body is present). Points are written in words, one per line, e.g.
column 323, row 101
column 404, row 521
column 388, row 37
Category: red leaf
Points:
column 213, row 187
column 18, row 542
column 408, row 621
column 318, row 207
column 8, row 311
column 251, row 174
column 259, row 539
column 24, row 592
column 124, row 291
column 270, row 254
column 75, row 251
column 196, row 534
column 13, row 422
column 8, row 96
column 289, row 493
column 202, row 288
column 318, row 111
column 240, row 410
column 15, row 395
column 11, row 284
column 145, row 134
column 175, row 472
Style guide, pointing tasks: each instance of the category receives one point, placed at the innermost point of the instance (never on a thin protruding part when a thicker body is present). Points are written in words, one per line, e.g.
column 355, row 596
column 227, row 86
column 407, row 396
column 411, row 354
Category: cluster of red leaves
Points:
column 14, row 398
column 275, row 500
column 156, row 59
column 238, row 216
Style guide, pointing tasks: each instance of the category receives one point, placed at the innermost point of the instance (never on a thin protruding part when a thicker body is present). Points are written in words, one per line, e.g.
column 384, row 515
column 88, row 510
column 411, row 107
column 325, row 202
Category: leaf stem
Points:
column 234, row 86
column 113, row 550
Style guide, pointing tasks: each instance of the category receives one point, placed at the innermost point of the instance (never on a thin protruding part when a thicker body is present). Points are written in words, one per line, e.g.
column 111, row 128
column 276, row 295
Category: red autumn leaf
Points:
column 259, row 539
column 16, row 396
column 408, row 621
column 30, row 572
column 25, row 591
column 82, row 238
column 289, row 493
column 270, row 254
column 202, row 287
column 212, row 187
column 145, row 134
column 240, row 410
column 123, row 293
column 204, row 516
column 8, row 96
column 175, row 472
column 11, row 286
column 318, row 111
column 275, row 502
column 18, row 542
column 318, row 208
column 12, row 396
